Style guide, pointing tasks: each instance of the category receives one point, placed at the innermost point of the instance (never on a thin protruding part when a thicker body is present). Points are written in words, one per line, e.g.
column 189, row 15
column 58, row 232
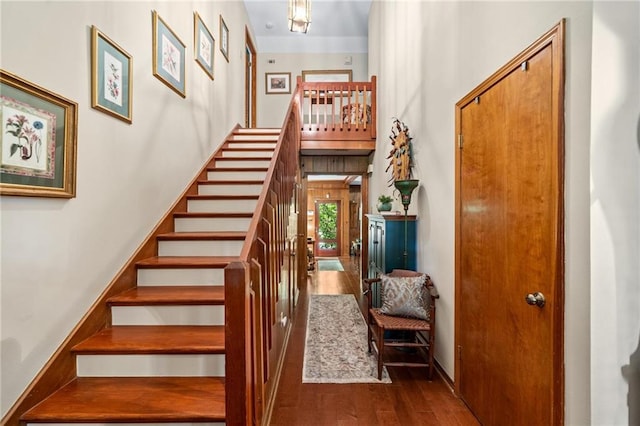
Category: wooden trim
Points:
column 250, row 82
column 364, row 224
column 557, row 35
column 556, row 38
column 266, row 419
column 238, row 386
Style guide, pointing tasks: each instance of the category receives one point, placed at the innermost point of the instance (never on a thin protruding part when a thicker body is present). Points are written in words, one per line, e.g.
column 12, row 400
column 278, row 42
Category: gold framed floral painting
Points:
column 204, row 44
column 111, row 77
column 39, row 134
column 168, row 56
column 224, row 39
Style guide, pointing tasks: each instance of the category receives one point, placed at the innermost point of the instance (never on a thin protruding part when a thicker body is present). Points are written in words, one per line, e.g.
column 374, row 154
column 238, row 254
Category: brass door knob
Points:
column 536, row 299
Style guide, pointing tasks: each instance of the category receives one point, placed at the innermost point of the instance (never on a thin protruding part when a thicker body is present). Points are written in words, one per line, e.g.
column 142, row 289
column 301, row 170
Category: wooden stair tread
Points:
column 258, row 132
column 213, row 215
column 254, row 130
column 186, row 261
column 230, row 182
column 203, row 235
column 242, row 159
column 222, row 197
column 155, row 339
column 134, row 399
column 248, row 149
column 170, row 295
column 237, row 169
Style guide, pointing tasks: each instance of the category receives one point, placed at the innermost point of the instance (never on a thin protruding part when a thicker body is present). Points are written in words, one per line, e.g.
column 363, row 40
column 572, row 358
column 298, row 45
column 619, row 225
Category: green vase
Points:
column 406, row 187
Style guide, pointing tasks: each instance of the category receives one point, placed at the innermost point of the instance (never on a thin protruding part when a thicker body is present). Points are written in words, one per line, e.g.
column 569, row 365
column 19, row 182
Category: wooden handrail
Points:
column 252, row 283
column 261, row 287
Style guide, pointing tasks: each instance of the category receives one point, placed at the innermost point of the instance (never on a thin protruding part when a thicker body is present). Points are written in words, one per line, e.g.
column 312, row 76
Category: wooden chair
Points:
column 420, row 331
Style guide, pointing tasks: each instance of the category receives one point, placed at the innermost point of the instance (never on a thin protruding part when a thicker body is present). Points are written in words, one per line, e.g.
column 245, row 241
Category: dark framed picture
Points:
column 224, row 39
column 111, row 77
column 277, row 83
column 204, row 44
column 168, row 56
column 39, row 133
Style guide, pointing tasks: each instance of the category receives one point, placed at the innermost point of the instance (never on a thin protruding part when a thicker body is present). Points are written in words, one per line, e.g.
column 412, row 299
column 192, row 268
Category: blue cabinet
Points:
column 387, row 243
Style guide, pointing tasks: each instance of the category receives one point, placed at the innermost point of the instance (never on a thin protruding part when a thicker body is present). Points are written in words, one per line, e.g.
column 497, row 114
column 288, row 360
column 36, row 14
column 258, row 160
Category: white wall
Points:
column 427, row 56
column 272, row 108
column 58, row 255
column 615, row 209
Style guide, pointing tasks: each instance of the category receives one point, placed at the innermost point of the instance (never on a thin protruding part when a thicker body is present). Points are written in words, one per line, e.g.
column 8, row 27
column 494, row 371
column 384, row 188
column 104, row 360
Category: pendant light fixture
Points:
column 299, row 15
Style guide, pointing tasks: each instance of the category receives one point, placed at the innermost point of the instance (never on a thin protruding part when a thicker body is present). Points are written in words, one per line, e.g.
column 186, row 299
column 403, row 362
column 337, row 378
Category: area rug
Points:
column 329, row 265
column 336, row 344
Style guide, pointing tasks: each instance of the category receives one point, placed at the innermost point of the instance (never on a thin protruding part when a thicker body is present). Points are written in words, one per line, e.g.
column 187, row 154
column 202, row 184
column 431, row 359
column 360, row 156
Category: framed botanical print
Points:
column 111, row 77
column 204, row 43
column 168, row 56
column 38, row 139
column 224, row 39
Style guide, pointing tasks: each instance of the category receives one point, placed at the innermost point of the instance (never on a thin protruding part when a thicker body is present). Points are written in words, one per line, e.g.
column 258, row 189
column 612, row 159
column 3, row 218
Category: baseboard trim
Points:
column 266, row 418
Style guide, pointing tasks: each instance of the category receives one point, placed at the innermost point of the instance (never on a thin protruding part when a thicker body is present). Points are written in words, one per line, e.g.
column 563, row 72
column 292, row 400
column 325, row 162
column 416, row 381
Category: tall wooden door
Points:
column 509, row 246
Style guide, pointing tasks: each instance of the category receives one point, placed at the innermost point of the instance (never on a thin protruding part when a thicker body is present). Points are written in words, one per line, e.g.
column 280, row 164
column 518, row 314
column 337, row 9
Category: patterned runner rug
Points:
column 336, row 344
column 329, row 265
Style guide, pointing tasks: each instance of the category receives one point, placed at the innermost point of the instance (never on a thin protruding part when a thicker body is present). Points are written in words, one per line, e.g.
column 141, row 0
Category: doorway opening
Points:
column 334, row 214
column 328, row 227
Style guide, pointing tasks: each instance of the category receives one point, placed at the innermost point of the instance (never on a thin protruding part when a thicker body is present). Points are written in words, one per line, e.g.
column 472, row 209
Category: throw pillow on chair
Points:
column 405, row 296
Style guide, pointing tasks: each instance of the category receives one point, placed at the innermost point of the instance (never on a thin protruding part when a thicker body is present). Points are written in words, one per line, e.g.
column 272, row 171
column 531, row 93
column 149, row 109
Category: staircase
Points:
column 162, row 360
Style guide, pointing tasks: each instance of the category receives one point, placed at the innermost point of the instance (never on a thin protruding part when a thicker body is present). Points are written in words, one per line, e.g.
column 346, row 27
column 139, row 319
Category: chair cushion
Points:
column 404, row 296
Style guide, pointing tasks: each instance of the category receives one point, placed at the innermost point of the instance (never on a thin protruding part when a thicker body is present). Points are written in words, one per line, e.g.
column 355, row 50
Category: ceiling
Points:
column 351, row 180
column 337, row 26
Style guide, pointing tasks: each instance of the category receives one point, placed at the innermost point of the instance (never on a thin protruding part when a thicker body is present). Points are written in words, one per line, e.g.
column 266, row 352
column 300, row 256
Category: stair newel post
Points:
column 238, row 343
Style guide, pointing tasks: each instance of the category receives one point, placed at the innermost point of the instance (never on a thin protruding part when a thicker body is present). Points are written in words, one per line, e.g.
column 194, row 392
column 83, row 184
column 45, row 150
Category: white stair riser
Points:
column 268, row 145
column 222, row 206
column 168, row 315
column 161, row 365
column 233, row 175
column 125, row 424
column 200, row 248
column 204, row 189
column 242, row 163
column 180, row 276
column 244, row 154
column 207, row 224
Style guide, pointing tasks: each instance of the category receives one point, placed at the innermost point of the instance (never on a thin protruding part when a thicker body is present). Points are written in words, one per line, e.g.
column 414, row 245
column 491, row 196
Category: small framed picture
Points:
column 204, row 43
column 168, row 56
column 278, row 83
column 224, row 39
column 39, row 134
column 111, row 77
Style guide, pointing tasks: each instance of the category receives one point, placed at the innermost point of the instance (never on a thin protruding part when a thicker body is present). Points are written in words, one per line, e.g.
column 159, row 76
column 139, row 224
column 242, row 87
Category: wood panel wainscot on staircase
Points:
column 162, row 358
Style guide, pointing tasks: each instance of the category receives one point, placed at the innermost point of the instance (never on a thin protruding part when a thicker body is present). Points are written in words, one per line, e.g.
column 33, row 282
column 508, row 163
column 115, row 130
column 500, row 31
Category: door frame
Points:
column 339, row 226
column 554, row 37
column 251, row 79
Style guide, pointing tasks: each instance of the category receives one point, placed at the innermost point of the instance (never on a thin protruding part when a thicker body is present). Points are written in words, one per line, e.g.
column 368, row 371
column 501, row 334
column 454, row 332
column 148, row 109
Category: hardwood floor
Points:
column 410, row 400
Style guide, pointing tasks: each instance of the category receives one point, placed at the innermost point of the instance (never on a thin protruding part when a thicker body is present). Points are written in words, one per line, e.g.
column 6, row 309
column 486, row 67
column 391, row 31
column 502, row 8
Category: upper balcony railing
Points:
column 337, row 116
